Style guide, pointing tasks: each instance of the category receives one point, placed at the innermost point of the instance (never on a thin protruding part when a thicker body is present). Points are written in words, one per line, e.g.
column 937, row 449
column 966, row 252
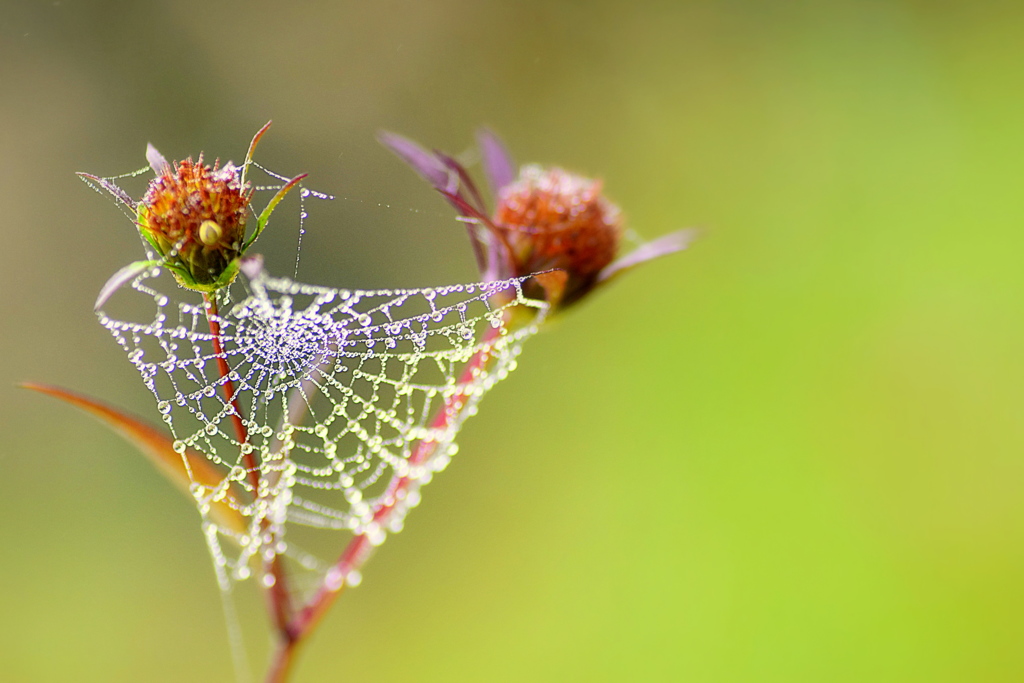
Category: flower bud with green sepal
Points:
column 194, row 218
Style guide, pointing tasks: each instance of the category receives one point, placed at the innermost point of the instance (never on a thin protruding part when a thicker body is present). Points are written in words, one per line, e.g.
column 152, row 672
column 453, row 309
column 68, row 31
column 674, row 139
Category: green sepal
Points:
column 143, row 225
column 264, row 218
column 185, row 279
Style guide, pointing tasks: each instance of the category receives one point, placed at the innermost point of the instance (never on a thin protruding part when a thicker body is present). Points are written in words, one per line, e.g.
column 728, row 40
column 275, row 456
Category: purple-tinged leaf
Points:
column 668, row 244
column 120, row 278
column 425, row 163
column 499, row 265
column 498, row 163
column 465, row 182
column 251, row 266
column 473, row 220
column 157, row 162
column 464, row 207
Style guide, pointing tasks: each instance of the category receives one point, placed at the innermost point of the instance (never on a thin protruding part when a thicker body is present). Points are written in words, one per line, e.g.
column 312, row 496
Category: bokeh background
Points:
column 793, row 453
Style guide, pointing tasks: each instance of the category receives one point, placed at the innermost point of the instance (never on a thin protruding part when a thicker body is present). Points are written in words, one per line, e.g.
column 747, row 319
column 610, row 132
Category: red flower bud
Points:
column 552, row 219
column 546, row 220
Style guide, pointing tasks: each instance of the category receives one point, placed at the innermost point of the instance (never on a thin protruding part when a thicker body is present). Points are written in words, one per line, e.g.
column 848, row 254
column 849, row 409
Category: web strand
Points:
column 335, row 391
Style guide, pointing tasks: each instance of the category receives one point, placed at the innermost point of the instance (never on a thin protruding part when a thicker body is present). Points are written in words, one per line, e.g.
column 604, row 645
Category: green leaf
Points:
column 264, row 217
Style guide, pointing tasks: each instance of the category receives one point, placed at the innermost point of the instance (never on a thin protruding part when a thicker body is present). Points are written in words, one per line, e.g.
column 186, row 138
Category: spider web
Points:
column 332, row 395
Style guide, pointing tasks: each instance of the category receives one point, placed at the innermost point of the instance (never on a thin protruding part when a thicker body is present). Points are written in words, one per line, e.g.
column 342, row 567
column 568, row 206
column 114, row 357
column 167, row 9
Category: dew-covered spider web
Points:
column 306, row 415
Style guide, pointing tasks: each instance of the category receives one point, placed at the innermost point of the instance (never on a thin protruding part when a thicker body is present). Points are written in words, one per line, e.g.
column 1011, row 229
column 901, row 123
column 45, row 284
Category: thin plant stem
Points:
column 213, row 317
column 278, row 596
column 283, row 658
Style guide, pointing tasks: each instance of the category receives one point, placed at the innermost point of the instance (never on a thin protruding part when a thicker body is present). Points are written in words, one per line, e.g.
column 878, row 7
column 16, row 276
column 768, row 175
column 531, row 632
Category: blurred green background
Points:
column 793, row 453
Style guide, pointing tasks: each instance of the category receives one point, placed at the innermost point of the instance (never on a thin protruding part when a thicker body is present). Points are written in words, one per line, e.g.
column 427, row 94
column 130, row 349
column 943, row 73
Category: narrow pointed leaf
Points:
column 156, row 445
column 668, row 244
column 261, row 222
column 477, row 226
column 157, row 162
column 252, row 149
column 498, row 163
column 464, row 181
column 118, row 280
column 425, row 163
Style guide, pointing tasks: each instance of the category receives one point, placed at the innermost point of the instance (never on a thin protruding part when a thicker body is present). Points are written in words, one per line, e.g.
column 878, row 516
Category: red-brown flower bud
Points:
column 548, row 223
column 553, row 219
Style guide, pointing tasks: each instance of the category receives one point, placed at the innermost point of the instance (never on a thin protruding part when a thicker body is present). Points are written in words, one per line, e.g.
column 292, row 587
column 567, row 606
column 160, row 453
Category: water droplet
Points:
column 209, row 391
column 210, row 428
column 320, row 430
column 164, row 407
column 333, row 580
column 376, row 536
column 178, row 446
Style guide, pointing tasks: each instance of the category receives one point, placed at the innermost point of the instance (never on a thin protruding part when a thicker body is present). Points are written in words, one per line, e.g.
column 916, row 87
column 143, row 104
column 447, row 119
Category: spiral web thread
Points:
column 336, row 389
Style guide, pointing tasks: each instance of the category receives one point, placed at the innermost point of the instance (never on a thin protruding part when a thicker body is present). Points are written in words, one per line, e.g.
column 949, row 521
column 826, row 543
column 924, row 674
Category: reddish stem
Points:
column 229, row 391
column 359, row 547
column 284, row 657
column 277, row 593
